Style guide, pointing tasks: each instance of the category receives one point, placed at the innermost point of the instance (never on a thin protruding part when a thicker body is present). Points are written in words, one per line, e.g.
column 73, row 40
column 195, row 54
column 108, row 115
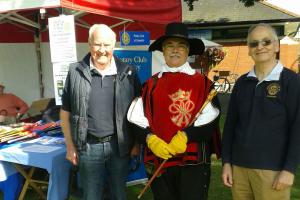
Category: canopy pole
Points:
column 37, row 40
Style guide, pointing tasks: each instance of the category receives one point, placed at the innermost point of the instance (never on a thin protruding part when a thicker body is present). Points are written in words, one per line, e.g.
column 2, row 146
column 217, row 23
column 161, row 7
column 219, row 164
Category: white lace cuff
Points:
column 135, row 113
column 208, row 114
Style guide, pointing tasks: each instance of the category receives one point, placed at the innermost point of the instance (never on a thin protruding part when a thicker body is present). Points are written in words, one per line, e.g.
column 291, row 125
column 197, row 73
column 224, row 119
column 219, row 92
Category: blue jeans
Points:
column 100, row 163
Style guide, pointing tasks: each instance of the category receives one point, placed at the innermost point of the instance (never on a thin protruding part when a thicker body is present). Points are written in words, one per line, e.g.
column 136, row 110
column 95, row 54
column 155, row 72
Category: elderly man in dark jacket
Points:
column 97, row 94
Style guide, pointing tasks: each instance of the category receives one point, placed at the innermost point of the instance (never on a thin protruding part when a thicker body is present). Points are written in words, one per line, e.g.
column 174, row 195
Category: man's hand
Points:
column 283, row 180
column 178, row 142
column 227, row 175
column 72, row 155
column 159, row 147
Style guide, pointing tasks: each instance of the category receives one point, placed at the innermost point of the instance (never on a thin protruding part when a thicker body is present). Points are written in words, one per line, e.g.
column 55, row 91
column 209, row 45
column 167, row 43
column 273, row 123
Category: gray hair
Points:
column 104, row 28
column 267, row 26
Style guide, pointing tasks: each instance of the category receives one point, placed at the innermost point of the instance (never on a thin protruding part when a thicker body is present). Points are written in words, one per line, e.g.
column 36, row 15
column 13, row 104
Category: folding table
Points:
column 34, row 154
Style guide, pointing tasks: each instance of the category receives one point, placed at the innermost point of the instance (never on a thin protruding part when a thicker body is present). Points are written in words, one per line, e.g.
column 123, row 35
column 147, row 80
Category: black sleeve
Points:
column 140, row 133
column 66, row 95
column 229, row 127
column 204, row 132
column 292, row 103
column 137, row 85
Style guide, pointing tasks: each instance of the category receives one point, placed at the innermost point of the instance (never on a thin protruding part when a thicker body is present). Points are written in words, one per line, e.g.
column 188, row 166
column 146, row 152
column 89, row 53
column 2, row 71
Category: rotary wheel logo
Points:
column 273, row 89
column 125, row 38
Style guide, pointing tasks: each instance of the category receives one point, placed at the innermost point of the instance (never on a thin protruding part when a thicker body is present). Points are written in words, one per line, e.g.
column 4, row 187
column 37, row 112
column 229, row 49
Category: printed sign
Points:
column 142, row 60
column 60, row 72
column 62, row 39
column 134, row 38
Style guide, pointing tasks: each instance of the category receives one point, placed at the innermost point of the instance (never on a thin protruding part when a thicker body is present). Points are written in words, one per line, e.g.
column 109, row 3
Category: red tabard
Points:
column 171, row 104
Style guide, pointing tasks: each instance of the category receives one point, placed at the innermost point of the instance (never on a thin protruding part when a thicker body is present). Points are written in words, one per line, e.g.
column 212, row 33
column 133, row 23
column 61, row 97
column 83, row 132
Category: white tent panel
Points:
column 82, row 50
column 7, row 5
column 18, row 70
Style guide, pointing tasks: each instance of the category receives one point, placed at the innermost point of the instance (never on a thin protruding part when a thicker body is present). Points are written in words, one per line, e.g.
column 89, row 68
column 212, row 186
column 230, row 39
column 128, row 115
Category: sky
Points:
column 289, row 5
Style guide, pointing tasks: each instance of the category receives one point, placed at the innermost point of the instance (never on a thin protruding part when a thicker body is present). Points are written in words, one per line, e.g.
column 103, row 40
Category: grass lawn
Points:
column 217, row 190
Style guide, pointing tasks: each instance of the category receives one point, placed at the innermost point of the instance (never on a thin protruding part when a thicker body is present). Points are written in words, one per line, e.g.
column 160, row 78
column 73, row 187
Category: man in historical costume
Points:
column 167, row 120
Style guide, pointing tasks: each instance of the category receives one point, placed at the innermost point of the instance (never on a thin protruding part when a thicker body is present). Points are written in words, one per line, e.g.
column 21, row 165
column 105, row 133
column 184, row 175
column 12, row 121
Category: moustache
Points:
column 174, row 55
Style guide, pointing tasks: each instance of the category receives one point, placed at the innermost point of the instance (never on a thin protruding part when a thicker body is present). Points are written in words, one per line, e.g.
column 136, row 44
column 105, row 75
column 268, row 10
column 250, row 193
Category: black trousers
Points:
column 188, row 182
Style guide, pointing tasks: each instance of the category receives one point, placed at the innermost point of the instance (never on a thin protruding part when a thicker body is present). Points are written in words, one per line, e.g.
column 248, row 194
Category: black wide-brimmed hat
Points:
column 178, row 30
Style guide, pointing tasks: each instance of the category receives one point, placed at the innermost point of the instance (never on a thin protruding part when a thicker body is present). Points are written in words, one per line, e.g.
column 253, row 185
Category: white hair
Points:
column 103, row 28
column 267, row 26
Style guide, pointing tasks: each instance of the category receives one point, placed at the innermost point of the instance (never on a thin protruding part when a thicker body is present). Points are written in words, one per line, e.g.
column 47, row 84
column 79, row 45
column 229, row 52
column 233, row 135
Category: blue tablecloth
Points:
column 12, row 186
column 47, row 156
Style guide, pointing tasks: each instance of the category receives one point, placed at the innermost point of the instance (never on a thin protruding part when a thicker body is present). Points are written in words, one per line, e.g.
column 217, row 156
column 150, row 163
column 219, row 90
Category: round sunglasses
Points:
column 265, row 42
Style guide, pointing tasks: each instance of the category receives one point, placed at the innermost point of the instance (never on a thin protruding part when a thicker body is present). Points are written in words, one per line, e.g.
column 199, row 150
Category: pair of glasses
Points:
column 100, row 45
column 264, row 43
column 180, row 47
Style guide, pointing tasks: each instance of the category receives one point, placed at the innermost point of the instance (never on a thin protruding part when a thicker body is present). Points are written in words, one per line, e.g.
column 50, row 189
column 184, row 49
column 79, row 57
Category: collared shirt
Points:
column 274, row 75
column 102, row 90
column 111, row 70
column 185, row 68
column 262, row 126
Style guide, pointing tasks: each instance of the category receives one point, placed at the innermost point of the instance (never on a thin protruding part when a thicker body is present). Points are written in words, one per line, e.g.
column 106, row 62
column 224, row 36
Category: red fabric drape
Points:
column 147, row 16
column 155, row 11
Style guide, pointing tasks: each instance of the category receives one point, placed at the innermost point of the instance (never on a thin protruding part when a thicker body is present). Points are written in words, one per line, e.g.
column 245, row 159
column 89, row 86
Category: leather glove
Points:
column 178, row 142
column 159, row 147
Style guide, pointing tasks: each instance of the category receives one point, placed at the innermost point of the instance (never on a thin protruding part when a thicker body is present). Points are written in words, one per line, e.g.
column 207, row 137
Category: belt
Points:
column 94, row 139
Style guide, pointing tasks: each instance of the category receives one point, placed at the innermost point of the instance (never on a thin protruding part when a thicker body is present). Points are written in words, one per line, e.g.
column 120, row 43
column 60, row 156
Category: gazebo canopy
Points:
column 22, row 18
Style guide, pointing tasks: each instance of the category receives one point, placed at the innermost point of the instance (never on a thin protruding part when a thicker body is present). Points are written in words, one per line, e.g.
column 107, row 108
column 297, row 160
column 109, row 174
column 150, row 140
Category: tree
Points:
column 249, row 3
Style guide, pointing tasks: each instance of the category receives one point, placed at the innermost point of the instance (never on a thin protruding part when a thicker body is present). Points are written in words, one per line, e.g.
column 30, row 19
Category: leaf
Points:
column 249, row 3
